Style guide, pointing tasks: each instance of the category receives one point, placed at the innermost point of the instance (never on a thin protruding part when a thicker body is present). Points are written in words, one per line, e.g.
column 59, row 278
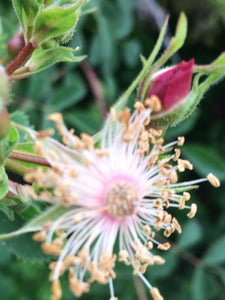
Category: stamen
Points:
column 213, row 180
column 156, row 294
column 112, row 297
column 180, row 140
column 193, row 211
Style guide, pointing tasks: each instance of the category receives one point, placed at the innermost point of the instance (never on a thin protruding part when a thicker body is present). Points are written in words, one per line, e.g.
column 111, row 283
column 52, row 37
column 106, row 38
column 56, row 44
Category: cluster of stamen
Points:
column 122, row 199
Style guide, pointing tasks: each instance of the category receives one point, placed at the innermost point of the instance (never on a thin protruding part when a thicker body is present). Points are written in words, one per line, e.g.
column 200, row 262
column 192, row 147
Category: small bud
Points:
column 173, row 85
column 4, row 123
column 4, row 88
column 15, row 45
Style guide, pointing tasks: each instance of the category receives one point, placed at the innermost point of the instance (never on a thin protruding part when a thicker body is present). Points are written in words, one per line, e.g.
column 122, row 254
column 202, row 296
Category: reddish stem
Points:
column 30, row 158
column 21, row 58
column 96, row 87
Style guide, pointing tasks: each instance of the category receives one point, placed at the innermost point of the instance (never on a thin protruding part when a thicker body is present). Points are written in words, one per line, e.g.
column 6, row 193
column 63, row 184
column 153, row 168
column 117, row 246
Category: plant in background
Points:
column 116, row 185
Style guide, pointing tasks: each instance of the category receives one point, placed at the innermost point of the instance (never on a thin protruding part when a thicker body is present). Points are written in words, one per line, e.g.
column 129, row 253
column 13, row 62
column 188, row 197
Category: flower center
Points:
column 121, row 199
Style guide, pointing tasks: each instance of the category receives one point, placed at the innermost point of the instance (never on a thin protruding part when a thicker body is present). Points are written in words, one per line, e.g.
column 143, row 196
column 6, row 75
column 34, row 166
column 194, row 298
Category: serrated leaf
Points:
column 3, row 182
column 27, row 11
column 42, row 59
column 205, row 160
column 191, row 234
column 23, row 247
column 20, row 117
column 215, row 254
column 51, row 23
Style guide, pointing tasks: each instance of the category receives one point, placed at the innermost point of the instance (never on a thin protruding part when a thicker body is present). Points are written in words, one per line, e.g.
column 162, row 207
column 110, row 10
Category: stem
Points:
column 21, row 58
column 139, row 288
column 30, row 158
column 95, row 87
column 17, row 168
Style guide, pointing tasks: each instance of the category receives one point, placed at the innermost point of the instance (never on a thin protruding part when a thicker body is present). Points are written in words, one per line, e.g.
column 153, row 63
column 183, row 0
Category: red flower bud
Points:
column 173, row 85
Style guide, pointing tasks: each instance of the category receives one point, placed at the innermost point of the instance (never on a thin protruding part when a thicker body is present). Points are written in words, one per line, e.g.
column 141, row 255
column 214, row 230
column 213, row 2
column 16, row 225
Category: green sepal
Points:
column 3, row 182
column 42, row 59
column 51, row 23
column 216, row 67
column 27, row 11
column 175, row 44
column 8, row 144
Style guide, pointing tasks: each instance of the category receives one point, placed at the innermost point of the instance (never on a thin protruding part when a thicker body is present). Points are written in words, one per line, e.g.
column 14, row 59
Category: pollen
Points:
column 121, row 199
column 156, row 294
column 213, row 180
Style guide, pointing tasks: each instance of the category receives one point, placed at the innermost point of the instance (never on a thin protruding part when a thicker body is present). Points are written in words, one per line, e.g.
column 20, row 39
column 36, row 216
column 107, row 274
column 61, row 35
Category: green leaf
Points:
column 159, row 272
column 23, row 247
column 8, row 212
column 70, row 93
column 205, row 160
column 26, row 148
column 51, row 23
column 27, row 11
column 8, row 144
column 3, row 182
column 204, row 286
column 36, row 224
column 191, row 234
column 216, row 254
column 42, row 59
column 20, row 117
column 175, row 44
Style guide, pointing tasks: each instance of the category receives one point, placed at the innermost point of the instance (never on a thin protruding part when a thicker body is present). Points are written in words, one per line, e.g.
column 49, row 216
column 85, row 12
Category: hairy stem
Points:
column 30, row 158
column 21, row 58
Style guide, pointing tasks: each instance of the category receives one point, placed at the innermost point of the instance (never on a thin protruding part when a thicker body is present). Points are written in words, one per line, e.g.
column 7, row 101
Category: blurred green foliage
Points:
column 113, row 36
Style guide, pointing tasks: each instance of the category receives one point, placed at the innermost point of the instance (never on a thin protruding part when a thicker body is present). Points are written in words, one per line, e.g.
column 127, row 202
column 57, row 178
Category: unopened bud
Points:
column 4, row 123
column 15, row 45
column 172, row 86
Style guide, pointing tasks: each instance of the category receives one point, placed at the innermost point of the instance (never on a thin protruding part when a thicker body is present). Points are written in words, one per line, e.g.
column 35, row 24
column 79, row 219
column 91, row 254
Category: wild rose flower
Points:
column 119, row 191
column 172, row 85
